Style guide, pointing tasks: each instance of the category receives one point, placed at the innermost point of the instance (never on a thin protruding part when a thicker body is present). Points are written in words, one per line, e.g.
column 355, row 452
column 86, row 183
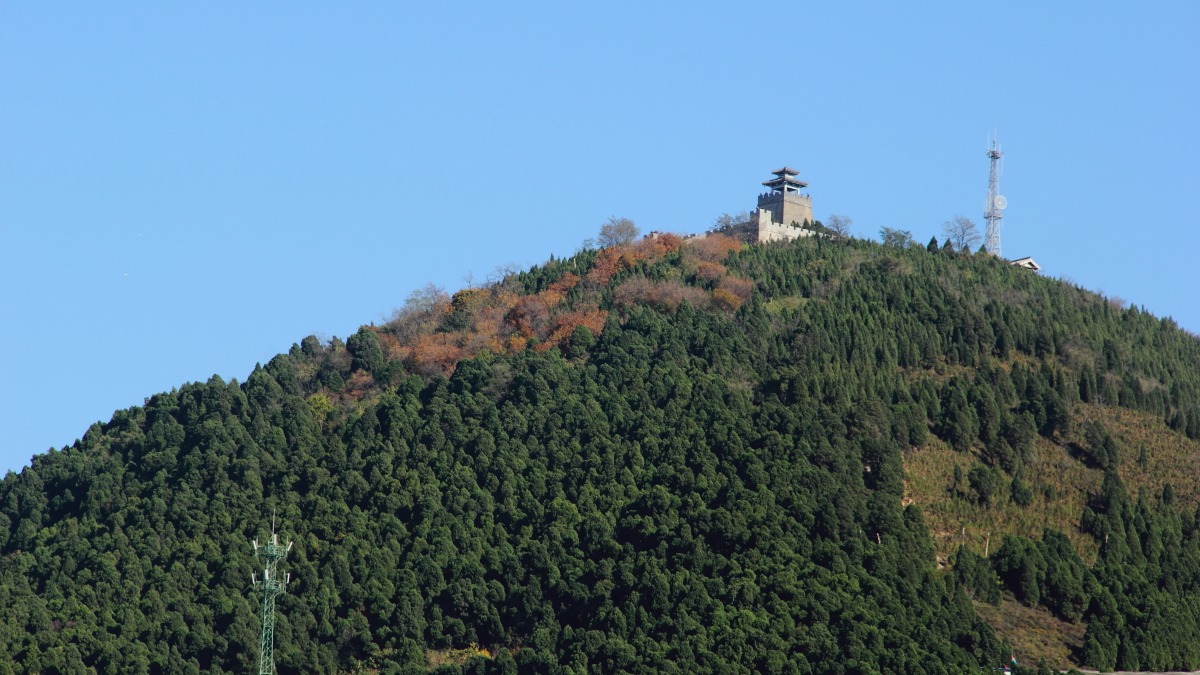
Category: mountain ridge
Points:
column 575, row 466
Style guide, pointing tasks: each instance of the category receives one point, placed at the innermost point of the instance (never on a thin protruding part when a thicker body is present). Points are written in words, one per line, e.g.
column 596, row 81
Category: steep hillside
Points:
column 666, row 456
column 1061, row 487
column 1036, row 635
column 1060, row 484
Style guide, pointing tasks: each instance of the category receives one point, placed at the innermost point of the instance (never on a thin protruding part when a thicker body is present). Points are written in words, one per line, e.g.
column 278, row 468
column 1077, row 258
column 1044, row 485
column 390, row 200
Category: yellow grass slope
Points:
column 1152, row 455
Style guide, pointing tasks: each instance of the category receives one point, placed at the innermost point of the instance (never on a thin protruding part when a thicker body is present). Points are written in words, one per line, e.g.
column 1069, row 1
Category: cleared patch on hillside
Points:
column 1035, row 634
column 1059, row 477
column 1060, row 484
column 436, row 658
column 1169, row 456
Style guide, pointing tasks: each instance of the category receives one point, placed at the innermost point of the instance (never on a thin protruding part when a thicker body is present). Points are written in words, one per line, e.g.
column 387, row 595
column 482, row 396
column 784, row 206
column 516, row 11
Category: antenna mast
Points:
column 993, row 211
column 271, row 585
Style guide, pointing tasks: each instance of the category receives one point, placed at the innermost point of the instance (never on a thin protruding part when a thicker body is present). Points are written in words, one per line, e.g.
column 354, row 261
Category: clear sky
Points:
column 189, row 188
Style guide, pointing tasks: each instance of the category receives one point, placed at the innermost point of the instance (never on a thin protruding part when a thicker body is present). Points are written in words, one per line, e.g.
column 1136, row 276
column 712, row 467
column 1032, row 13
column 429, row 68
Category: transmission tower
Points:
column 271, row 585
column 993, row 211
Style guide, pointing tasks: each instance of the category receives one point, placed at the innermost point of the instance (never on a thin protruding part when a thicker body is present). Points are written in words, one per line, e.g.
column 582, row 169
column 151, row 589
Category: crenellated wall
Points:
column 787, row 208
column 779, row 217
column 769, row 230
column 778, row 211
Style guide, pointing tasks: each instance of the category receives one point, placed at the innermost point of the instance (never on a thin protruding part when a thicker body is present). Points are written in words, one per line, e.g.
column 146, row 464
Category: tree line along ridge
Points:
column 661, row 456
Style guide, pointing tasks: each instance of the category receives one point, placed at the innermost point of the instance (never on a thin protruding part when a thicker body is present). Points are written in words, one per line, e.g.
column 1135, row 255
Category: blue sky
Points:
column 188, row 190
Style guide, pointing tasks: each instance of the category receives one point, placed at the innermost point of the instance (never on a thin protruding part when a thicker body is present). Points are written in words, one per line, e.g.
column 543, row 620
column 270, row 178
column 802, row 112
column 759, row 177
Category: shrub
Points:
column 984, row 482
column 1021, row 494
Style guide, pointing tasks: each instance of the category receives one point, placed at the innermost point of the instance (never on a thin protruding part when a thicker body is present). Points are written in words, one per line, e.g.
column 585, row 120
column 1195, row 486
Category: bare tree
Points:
column 422, row 311
column 727, row 220
column 501, row 274
column 427, row 298
column 617, row 231
column 961, row 232
column 839, row 226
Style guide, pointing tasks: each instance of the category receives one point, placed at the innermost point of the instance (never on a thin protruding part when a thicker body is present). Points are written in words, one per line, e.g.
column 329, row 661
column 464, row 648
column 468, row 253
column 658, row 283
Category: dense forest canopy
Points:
column 665, row 456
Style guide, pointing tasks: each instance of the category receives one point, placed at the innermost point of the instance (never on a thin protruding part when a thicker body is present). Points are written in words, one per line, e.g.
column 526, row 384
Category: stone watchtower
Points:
column 782, row 211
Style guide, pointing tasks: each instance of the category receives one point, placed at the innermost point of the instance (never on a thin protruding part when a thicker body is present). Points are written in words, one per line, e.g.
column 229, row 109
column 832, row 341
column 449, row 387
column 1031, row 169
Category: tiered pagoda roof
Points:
column 785, row 180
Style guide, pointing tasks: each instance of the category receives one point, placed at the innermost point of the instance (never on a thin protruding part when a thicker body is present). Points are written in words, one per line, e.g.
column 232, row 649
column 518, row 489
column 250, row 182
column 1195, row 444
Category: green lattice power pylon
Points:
column 272, row 585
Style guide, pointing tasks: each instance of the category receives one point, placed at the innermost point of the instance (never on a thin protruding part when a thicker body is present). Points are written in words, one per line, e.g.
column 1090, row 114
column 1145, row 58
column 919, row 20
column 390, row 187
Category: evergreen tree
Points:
column 665, row 456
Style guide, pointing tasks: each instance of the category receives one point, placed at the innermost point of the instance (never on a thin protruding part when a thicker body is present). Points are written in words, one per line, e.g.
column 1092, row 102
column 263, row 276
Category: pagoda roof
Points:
column 779, row 183
column 785, row 172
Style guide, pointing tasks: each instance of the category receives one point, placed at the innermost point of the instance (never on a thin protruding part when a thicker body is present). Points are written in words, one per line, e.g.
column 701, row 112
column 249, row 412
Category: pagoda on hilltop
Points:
column 783, row 213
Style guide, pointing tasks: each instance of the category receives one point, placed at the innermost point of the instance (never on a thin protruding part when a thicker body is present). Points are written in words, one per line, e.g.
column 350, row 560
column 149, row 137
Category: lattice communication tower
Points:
column 271, row 585
column 993, row 211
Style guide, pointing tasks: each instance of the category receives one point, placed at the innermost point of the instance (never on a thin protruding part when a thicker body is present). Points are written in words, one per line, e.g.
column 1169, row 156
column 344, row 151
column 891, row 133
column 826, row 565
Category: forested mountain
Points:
column 661, row 457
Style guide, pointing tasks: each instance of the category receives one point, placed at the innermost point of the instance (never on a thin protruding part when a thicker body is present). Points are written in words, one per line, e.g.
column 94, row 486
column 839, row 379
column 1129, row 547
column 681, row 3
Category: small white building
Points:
column 1027, row 263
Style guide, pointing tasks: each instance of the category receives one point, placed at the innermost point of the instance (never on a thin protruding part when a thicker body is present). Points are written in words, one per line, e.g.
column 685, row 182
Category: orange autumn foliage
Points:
column 738, row 286
column 529, row 315
column 468, row 299
column 557, row 292
column 565, row 283
column 723, row 299
column 391, row 346
column 606, row 267
column 358, row 382
column 715, row 247
column 616, row 258
column 732, row 292
column 564, row 327
column 435, row 354
column 655, row 249
column 632, row 291
column 666, row 295
column 710, row 270
column 498, row 319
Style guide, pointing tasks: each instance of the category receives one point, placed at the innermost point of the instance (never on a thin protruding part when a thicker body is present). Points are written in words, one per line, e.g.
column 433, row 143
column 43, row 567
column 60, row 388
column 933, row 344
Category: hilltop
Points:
column 667, row 455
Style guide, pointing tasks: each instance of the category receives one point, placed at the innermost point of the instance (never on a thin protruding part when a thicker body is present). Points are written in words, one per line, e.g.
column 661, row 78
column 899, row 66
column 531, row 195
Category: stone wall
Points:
column 787, row 208
column 769, row 230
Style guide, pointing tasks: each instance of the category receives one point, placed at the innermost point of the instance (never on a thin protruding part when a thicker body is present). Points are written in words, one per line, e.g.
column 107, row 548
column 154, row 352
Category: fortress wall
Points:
column 786, row 208
column 769, row 230
column 796, row 209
